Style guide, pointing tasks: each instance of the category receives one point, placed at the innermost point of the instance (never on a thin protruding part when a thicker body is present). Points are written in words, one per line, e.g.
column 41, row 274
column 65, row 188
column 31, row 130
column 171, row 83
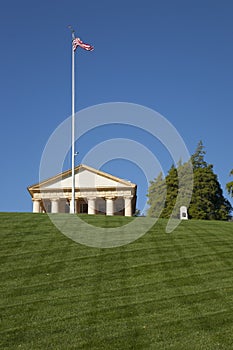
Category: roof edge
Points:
column 68, row 172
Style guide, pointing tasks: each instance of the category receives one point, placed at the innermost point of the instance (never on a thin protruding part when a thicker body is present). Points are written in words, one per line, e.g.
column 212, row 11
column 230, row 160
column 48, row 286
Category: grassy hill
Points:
column 163, row 291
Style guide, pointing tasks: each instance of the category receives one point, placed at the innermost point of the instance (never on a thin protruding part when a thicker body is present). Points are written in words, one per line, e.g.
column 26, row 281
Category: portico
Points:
column 96, row 192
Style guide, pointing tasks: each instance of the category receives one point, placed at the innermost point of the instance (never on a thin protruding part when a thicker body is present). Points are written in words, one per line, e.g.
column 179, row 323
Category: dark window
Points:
column 83, row 208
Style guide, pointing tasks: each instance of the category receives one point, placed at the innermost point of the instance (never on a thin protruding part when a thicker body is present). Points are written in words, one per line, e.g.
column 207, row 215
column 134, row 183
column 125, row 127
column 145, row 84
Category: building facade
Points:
column 96, row 192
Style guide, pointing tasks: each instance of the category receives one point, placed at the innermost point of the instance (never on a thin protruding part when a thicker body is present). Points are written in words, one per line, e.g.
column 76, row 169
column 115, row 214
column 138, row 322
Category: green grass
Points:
column 163, row 291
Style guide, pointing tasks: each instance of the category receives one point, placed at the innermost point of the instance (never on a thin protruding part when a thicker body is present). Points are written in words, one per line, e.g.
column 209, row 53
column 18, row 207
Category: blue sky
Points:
column 172, row 56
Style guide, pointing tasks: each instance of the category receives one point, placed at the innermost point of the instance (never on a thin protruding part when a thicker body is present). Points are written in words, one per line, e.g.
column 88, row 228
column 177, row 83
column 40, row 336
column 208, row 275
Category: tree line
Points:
column 207, row 199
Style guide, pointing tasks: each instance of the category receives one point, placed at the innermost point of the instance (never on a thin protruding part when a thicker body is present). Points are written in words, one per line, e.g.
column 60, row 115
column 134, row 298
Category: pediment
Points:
column 85, row 178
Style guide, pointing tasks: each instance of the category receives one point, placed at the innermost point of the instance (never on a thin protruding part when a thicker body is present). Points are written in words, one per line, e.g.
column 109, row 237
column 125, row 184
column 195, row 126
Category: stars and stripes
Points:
column 78, row 42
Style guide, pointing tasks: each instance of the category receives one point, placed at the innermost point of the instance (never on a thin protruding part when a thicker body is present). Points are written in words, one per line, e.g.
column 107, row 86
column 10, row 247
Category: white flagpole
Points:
column 89, row 48
column 72, row 203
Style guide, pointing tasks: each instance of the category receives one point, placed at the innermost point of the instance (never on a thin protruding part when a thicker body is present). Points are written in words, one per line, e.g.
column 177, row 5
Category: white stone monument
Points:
column 183, row 213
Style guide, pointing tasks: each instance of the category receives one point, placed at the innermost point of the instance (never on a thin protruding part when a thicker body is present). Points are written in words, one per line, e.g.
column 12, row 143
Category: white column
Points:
column 36, row 205
column 109, row 206
column 128, row 206
column 54, row 205
column 91, row 205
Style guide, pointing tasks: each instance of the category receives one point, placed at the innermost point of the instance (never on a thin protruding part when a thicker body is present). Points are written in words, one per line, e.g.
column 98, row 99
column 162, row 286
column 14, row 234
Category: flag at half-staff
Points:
column 78, row 42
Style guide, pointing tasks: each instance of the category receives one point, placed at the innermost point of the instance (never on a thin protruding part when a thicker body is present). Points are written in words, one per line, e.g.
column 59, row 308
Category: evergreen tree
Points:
column 172, row 192
column 156, row 196
column 197, row 158
column 162, row 193
column 207, row 201
column 229, row 186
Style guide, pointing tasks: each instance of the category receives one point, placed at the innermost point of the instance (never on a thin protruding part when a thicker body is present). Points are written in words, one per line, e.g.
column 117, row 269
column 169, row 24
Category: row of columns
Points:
column 91, row 205
column 54, row 205
column 110, row 205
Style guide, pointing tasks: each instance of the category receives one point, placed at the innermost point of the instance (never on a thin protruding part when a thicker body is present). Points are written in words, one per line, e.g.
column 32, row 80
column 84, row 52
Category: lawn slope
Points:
column 163, row 291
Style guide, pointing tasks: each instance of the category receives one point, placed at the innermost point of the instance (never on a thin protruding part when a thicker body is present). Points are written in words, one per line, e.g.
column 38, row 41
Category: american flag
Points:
column 78, row 42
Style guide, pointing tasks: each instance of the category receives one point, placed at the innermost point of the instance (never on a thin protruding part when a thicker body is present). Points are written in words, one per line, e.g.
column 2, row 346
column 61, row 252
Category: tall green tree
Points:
column 163, row 192
column 207, row 200
column 197, row 158
column 229, row 186
column 156, row 196
column 172, row 186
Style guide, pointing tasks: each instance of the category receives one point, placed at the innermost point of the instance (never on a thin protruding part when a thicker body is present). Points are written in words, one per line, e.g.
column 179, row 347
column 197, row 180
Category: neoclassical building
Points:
column 96, row 192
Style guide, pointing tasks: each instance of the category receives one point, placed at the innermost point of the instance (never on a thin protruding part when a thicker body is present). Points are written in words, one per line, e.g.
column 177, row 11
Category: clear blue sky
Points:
column 175, row 57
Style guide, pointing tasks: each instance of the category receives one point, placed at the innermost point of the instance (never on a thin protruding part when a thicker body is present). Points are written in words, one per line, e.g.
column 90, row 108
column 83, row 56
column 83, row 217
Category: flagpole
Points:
column 75, row 43
column 72, row 204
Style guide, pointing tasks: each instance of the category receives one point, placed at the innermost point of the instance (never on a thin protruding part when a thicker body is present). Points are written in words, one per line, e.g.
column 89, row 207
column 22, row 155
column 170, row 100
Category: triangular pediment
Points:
column 85, row 178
